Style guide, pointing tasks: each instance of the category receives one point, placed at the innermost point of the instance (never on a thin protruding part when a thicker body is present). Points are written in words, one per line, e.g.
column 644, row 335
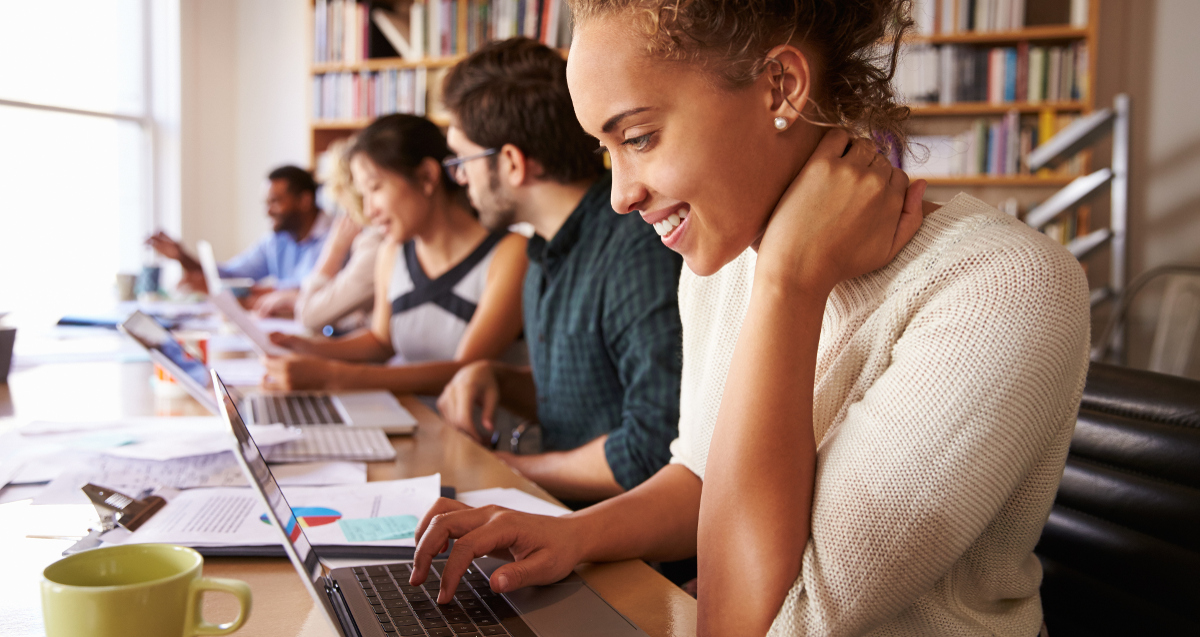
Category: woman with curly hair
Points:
column 872, row 428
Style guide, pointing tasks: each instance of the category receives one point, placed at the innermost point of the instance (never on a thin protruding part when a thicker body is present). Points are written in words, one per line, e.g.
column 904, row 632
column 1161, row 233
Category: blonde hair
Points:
column 336, row 177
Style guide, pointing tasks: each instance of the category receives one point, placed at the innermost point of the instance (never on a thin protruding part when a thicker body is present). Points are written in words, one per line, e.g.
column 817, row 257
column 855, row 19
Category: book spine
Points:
column 416, row 29
column 1010, row 75
column 1082, row 79
column 1022, row 87
column 1079, row 13
column 1046, row 130
column 364, row 22
column 1054, row 74
column 447, row 30
column 1012, row 138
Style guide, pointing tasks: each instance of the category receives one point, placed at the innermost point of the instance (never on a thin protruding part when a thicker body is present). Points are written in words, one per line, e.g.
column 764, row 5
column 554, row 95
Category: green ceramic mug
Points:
column 136, row 590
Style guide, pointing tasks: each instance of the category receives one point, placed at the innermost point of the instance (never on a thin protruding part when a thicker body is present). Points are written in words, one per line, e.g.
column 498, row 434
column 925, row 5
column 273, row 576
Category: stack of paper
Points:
column 376, row 514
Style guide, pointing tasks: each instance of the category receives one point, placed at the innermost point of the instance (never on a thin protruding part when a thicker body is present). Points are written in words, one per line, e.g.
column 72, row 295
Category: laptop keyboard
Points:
column 413, row 610
column 364, row 444
column 295, row 409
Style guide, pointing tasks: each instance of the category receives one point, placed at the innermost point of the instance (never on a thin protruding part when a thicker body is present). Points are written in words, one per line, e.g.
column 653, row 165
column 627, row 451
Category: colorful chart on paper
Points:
column 309, row 517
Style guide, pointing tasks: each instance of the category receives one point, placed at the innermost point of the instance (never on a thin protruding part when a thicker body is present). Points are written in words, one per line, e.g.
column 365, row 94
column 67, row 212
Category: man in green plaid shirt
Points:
column 600, row 298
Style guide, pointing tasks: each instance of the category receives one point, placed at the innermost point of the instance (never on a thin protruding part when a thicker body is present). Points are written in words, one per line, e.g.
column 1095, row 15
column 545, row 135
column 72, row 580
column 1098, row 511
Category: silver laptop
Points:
column 377, row 601
column 374, row 409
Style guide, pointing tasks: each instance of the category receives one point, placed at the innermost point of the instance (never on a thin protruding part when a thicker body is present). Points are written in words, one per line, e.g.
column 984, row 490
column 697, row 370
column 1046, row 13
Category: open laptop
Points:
column 376, row 601
column 374, row 409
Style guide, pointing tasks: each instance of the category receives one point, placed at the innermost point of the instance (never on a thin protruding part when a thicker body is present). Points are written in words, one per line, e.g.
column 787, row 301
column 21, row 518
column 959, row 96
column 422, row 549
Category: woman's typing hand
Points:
column 544, row 549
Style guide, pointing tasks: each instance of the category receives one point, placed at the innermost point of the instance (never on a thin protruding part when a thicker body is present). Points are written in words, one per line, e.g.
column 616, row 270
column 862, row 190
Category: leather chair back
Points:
column 1121, row 550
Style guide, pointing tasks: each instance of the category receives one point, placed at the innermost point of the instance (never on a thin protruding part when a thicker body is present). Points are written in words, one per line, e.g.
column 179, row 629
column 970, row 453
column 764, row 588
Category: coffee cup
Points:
column 126, row 286
column 134, row 590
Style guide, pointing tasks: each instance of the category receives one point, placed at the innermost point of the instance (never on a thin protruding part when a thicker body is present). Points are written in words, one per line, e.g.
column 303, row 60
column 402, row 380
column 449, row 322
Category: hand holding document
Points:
column 383, row 514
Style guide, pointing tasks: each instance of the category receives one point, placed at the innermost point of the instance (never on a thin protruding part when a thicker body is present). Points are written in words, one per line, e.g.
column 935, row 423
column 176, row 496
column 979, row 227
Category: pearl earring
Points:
column 781, row 123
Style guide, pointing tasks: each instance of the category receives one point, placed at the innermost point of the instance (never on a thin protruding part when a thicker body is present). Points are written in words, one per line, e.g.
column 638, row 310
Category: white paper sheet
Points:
column 514, row 499
column 40, row 451
column 48, row 428
column 132, row 477
column 228, row 305
column 163, row 446
column 232, row 516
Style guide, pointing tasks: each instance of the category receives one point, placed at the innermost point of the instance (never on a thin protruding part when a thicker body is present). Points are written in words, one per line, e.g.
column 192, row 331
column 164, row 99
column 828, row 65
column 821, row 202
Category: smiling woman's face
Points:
column 682, row 146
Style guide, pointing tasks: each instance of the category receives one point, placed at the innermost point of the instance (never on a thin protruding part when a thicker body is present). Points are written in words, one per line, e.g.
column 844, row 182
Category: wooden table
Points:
column 105, row 391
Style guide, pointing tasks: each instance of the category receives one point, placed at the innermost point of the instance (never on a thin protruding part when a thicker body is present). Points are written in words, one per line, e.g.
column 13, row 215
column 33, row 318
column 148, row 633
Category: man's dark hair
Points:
column 299, row 181
column 515, row 92
column 399, row 143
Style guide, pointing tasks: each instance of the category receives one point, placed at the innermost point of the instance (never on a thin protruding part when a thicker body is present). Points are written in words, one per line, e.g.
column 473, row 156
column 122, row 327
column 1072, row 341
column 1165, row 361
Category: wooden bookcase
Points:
column 1026, row 188
column 323, row 132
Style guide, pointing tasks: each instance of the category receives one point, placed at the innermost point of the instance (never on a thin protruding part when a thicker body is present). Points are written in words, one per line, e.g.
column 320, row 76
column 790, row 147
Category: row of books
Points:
column 957, row 16
column 1070, row 225
column 953, row 73
column 341, row 32
column 1063, row 230
column 367, row 95
column 347, row 32
column 995, row 147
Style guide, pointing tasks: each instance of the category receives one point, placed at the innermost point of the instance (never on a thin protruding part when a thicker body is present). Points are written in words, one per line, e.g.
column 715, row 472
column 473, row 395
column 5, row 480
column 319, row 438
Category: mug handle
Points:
column 237, row 588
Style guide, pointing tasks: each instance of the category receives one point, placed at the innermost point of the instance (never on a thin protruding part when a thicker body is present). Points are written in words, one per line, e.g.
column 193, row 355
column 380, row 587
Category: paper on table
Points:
column 392, row 527
column 231, row 516
column 46, row 428
column 189, row 444
column 46, row 449
column 514, row 499
column 239, row 371
column 132, row 477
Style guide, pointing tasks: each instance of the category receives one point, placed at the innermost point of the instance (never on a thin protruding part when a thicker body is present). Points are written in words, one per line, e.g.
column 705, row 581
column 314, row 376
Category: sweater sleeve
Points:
column 983, row 376
column 323, row 301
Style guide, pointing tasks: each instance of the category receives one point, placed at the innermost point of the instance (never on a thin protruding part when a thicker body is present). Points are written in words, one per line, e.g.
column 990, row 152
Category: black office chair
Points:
column 1121, row 551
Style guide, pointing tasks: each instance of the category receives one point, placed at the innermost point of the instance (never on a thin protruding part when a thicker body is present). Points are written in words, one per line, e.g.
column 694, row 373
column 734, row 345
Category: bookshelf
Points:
column 350, row 56
column 326, row 127
column 1055, row 183
column 1067, row 27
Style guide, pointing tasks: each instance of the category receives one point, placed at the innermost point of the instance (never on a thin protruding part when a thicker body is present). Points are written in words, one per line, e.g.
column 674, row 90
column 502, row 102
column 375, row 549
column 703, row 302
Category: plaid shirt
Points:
column 605, row 342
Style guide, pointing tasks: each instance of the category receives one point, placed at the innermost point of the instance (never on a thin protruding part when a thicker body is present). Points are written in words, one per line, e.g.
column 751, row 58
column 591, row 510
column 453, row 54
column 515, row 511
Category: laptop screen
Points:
column 151, row 335
column 261, row 479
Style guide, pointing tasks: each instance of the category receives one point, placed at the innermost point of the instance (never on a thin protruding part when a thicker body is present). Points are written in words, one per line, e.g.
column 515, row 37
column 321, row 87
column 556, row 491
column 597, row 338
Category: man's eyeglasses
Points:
column 453, row 165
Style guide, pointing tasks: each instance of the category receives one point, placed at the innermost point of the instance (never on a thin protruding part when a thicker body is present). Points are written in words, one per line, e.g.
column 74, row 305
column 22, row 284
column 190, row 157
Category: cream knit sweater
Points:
column 946, row 390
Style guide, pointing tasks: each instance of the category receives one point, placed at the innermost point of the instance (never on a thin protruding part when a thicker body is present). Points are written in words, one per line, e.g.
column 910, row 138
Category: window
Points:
column 76, row 151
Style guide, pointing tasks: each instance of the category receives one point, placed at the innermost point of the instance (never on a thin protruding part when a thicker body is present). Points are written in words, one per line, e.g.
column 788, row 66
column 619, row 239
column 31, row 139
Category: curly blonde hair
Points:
column 856, row 43
column 336, row 177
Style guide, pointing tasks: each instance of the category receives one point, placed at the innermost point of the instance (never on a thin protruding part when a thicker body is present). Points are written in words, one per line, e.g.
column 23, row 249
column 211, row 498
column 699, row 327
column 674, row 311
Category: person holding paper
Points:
column 876, row 406
column 447, row 290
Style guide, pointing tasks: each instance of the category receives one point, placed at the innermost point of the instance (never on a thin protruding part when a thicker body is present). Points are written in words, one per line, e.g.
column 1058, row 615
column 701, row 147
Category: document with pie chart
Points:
column 383, row 513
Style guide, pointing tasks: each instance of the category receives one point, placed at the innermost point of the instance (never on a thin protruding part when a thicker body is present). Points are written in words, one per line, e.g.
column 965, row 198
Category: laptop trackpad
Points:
column 373, row 409
column 571, row 608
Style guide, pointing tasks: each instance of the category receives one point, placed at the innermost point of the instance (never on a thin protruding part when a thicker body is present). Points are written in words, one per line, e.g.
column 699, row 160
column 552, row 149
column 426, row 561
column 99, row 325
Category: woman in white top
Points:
column 447, row 291
column 339, row 293
column 875, row 409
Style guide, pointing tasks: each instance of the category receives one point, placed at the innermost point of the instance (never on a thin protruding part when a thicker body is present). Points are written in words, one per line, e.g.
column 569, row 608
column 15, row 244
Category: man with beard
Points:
column 601, row 312
column 287, row 254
